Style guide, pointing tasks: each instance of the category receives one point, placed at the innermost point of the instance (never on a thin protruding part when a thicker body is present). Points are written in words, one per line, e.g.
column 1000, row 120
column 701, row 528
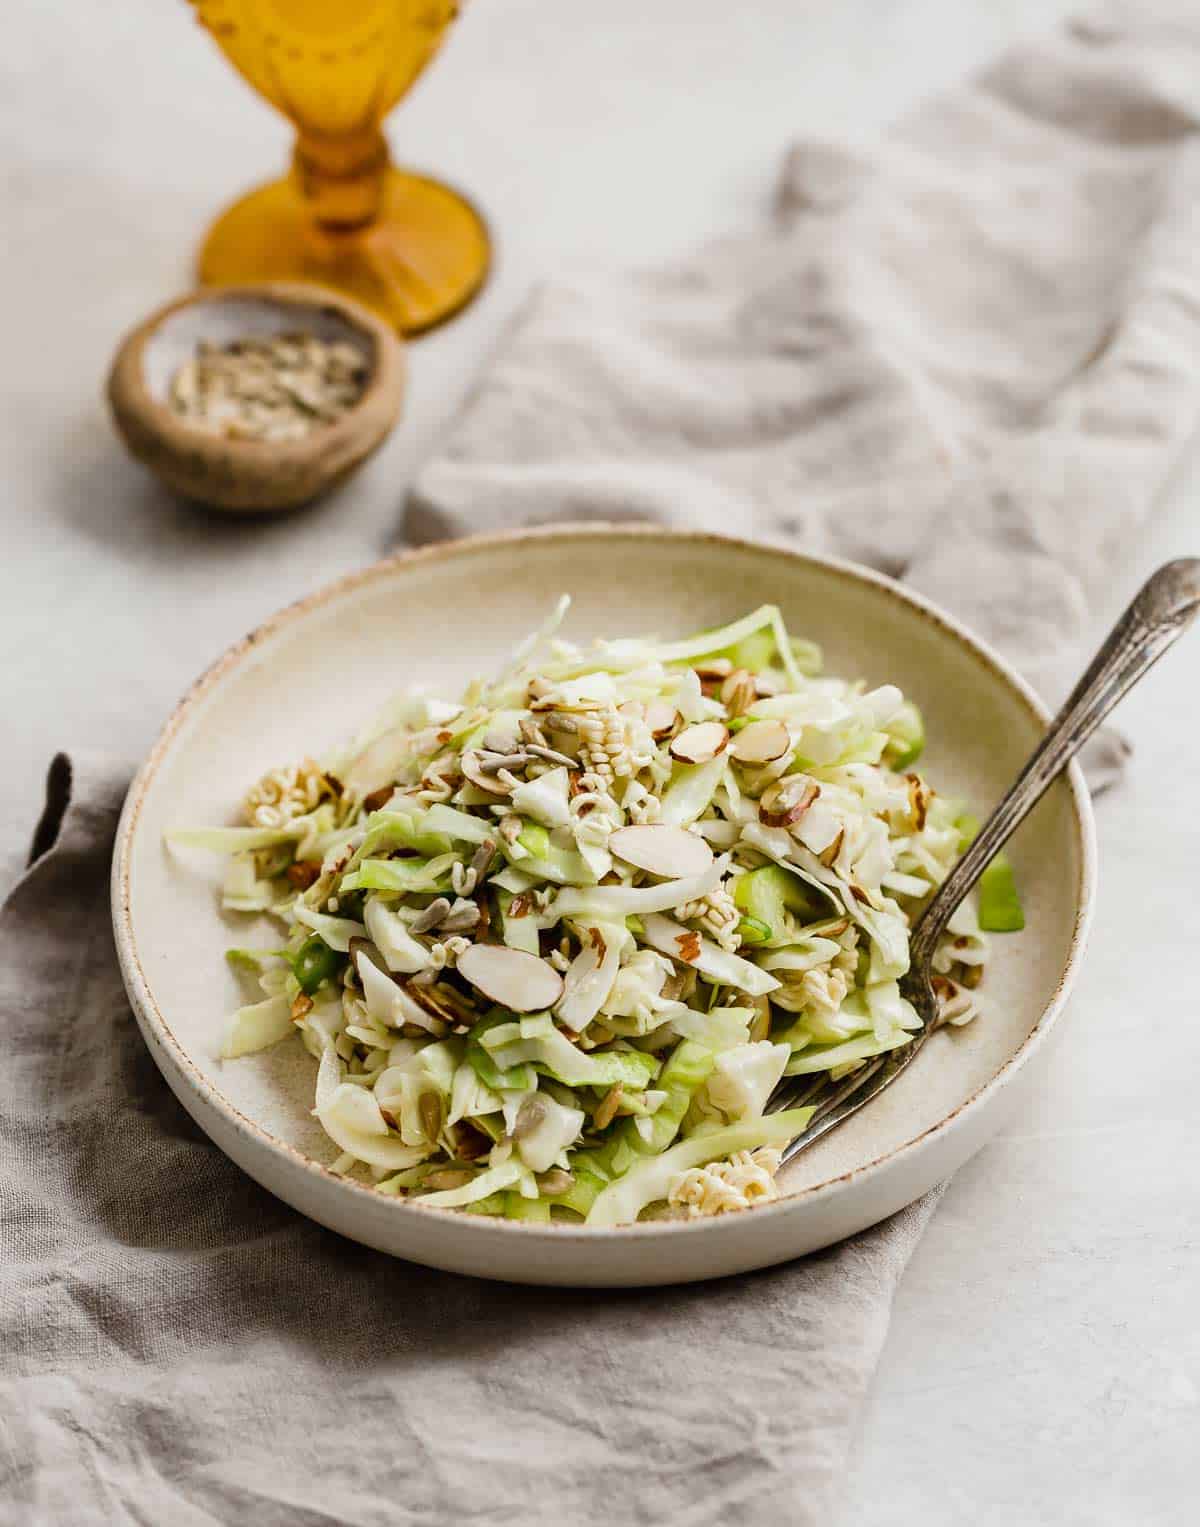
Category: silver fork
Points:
column 1161, row 612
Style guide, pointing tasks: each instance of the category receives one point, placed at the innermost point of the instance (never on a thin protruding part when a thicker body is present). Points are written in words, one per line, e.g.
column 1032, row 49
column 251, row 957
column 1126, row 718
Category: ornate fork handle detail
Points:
column 1160, row 612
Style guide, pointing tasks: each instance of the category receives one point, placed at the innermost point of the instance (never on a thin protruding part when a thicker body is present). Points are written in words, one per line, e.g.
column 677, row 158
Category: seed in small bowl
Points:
column 268, row 386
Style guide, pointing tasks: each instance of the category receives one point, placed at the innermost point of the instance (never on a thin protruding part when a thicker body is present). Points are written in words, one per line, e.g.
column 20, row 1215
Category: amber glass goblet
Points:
column 345, row 216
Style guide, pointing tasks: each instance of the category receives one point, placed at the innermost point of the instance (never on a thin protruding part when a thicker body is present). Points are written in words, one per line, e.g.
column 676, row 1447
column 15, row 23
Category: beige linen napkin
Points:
column 967, row 356
column 179, row 1349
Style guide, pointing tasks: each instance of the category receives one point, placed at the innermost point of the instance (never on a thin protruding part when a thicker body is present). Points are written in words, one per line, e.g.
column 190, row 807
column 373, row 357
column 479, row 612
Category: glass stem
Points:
column 342, row 178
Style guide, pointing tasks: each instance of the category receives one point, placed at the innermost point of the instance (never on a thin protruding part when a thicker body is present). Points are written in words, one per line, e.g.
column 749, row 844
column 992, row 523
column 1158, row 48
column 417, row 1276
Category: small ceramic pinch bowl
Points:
column 251, row 476
column 353, row 645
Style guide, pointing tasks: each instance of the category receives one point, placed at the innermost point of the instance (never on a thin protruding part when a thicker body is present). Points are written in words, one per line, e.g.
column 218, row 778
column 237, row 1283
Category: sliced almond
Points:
column 738, row 693
column 919, row 798
column 481, row 777
column 511, row 977
column 761, row 742
column 828, row 855
column 787, row 800
column 661, row 716
column 672, row 852
column 700, row 743
column 380, row 763
column 715, row 668
column 760, row 1024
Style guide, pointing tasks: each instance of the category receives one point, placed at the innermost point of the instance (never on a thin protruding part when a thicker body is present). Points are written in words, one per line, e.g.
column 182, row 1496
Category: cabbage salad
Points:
column 554, row 945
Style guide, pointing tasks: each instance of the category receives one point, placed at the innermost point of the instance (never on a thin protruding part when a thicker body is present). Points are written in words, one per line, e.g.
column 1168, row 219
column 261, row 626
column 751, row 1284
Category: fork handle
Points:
column 1159, row 614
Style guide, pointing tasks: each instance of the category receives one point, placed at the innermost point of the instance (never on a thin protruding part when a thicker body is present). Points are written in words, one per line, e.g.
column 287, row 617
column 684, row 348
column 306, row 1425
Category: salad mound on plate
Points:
column 554, row 945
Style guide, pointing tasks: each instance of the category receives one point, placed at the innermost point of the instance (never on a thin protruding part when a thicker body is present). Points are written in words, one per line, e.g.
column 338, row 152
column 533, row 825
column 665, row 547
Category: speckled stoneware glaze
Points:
column 441, row 615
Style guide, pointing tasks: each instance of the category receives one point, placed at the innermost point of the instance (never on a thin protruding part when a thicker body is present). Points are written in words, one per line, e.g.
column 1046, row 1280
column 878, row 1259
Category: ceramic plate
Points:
column 309, row 675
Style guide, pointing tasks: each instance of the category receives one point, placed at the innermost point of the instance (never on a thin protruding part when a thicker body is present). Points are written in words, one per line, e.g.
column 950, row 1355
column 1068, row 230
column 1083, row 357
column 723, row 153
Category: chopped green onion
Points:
column 314, row 963
column 1000, row 909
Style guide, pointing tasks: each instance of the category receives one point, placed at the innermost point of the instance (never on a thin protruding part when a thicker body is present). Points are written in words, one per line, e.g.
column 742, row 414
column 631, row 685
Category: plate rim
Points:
column 207, row 1095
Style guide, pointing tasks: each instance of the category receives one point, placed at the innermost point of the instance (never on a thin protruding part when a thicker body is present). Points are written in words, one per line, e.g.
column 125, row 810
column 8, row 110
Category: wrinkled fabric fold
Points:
column 176, row 1346
column 966, row 356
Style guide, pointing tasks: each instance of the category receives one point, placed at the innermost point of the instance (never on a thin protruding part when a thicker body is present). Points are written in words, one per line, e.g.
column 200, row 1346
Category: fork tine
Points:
column 798, row 1093
column 854, row 1091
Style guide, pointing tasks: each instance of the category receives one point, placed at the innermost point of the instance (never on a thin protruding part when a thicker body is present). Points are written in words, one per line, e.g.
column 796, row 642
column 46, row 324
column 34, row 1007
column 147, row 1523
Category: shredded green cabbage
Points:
column 611, row 1044
column 649, row 1180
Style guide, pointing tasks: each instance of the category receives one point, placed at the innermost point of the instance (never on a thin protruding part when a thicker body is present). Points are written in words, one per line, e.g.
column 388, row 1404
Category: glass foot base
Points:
column 421, row 260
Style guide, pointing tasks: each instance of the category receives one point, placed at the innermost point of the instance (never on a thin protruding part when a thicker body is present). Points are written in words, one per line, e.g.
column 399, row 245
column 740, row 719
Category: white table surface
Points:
column 1044, row 1362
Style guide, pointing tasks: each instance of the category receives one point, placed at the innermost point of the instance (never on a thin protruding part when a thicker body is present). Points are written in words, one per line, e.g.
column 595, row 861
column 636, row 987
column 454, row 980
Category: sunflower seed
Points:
column 554, row 1182
column 485, row 857
column 552, row 755
column 268, row 387
column 462, row 916
column 492, row 763
column 431, row 1111
column 607, row 1110
column 431, row 917
column 448, row 1177
column 529, row 1116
